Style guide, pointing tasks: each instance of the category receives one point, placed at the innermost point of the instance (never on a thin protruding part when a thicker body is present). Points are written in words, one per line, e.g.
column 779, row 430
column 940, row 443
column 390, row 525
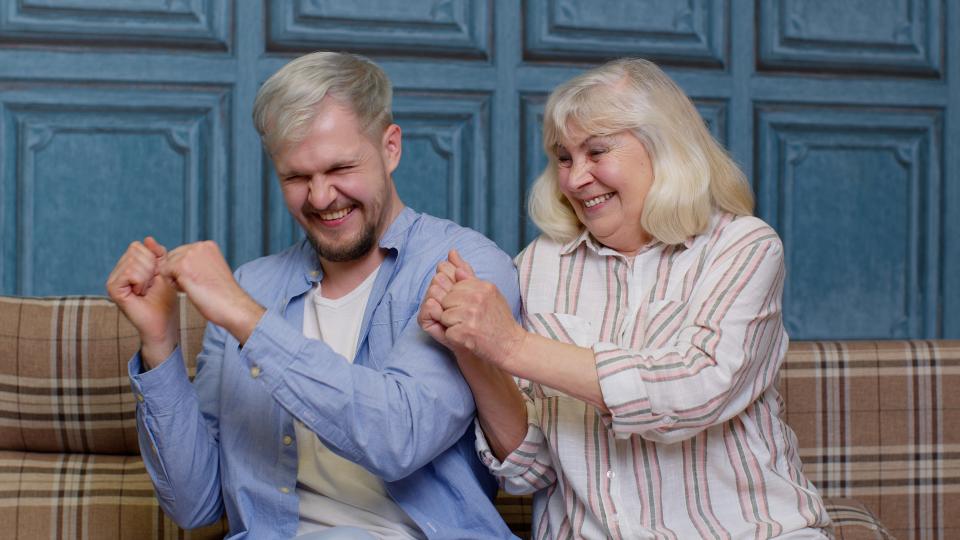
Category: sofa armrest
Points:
column 853, row 521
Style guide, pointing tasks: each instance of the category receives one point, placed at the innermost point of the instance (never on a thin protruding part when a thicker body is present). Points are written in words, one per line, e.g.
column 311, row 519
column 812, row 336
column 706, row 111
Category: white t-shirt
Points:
column 333, row 491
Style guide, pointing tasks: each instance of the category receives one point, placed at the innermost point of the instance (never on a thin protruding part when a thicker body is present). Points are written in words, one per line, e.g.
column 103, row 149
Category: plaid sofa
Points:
column 877, row 425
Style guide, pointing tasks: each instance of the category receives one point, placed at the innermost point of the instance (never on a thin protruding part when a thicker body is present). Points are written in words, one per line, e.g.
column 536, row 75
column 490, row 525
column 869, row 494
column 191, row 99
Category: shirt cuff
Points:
column 162, row 388
column 271, row 348
column 520, row 460
column 619, row 383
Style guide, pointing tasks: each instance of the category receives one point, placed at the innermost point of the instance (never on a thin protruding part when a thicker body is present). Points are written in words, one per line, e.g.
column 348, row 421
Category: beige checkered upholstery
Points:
column 876, row 423
column 69, row 462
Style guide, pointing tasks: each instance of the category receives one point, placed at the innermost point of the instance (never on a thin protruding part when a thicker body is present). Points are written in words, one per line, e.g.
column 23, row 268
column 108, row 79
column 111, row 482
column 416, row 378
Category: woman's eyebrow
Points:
column 593, row 139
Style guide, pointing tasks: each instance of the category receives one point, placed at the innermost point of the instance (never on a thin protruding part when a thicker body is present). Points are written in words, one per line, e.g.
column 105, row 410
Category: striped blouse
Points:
column 687, row 339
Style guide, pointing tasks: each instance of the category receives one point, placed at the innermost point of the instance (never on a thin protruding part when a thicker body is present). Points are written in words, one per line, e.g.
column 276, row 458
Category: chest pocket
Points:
column 389, row 320
column 663, row 321
column 565, row 328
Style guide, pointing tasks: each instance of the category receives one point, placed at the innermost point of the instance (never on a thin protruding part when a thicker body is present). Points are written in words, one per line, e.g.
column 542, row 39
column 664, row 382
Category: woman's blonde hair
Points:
column 693, row 175
column 287, row 103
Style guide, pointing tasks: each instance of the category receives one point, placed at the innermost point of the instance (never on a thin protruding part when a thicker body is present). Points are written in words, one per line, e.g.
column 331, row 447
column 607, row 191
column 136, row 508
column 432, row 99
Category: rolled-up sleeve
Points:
column 529, row 467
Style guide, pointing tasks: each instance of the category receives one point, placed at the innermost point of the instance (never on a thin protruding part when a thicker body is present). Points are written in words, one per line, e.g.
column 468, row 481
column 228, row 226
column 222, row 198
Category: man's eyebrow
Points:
column 343, row 163
column 339, row 164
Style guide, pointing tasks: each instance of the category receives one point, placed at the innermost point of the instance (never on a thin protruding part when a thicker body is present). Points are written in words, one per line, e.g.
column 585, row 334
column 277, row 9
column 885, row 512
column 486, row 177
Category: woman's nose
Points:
column 580, row 175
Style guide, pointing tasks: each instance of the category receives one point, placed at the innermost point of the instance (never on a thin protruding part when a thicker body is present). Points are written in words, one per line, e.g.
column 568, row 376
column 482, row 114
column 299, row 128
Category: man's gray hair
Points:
column 287, row 103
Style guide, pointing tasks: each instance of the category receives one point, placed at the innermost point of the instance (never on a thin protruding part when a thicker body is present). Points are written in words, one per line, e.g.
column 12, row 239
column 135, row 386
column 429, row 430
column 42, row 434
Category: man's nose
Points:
column 322, row 192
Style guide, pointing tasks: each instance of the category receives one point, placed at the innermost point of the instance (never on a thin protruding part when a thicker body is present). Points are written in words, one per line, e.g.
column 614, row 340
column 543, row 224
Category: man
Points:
column 319, row 408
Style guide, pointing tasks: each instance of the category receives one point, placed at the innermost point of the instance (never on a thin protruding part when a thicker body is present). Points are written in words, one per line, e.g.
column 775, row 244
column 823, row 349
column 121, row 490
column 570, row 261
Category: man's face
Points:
column 336, row 182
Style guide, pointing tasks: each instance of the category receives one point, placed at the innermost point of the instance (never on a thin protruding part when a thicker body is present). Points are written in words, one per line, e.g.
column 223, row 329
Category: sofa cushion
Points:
column 63, row 382
column 517, row 512
column 83, row 496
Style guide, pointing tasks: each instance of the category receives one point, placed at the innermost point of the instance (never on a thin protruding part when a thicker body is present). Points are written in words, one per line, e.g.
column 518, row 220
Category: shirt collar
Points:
column 584, row 236
column 396, row 235
column 600, row 249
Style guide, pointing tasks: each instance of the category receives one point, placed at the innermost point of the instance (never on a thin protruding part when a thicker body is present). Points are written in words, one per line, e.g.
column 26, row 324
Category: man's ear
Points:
column 392, row 146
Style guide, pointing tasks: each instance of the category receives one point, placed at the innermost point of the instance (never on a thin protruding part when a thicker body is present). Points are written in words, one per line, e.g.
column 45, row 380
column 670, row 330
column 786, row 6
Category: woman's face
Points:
column 606, row 178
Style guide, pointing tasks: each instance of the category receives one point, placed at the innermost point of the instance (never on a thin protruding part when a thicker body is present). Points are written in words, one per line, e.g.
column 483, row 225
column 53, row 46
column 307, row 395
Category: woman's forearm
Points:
column 501, row 408
column 561, row 366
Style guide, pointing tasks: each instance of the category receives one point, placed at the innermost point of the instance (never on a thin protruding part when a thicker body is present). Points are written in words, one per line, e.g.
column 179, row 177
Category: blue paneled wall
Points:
column 120, row 119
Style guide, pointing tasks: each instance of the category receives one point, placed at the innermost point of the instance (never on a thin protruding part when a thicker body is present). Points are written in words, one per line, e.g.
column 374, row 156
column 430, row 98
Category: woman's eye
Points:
column 564, row 161
column 597, row 152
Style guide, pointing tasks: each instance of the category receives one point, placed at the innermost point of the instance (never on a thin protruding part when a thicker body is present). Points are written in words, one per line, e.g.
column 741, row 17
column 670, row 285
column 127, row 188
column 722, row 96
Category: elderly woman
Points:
column 652, row 332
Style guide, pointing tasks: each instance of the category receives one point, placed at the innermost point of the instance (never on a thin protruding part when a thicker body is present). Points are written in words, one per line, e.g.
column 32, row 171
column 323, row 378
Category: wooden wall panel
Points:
column 446, row 155
column 855, row 195
column 894, row 37
column 690, row 32
column 117, row 23
column 98, row 168
column 458, row 28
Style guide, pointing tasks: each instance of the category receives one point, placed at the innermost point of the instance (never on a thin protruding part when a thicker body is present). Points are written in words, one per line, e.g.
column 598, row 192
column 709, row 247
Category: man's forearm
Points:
column 244, row 319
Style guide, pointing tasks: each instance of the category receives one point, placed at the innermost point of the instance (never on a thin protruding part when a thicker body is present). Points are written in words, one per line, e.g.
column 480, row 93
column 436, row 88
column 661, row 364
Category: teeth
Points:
column 597, row 200
column 330, row 216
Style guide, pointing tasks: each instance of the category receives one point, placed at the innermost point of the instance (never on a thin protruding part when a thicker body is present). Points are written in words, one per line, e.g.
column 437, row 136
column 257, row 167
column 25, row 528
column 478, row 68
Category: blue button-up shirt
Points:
column 401, row 409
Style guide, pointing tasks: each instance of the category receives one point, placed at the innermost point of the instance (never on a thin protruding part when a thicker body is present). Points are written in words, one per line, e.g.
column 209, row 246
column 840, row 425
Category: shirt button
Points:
column 284, row 490
column 287, row 440
column 140, row 398
column 255, row 371
column 611, row 474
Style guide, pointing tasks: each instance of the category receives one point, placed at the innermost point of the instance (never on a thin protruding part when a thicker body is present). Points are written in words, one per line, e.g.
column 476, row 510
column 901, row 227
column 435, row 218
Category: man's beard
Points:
column 352, row 251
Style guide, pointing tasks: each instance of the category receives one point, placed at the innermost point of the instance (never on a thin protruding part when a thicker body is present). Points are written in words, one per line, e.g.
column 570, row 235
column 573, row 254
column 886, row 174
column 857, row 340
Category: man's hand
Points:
column 200, row 270
column 477, row 317
column 430, row 308
column 147, row 299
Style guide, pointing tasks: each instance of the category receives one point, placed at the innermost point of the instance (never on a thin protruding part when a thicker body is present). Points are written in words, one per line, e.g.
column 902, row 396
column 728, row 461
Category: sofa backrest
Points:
column 63, row 374
column 878, row 421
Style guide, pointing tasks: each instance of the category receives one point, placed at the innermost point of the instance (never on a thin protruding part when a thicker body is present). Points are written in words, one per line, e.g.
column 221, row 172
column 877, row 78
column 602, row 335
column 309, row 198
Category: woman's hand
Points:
column 471, row 318
column 500, row 405
column 475, row 315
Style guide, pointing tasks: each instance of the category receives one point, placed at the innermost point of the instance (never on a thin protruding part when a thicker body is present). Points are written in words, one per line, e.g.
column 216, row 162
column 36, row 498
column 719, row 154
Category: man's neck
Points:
column 339, row 278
